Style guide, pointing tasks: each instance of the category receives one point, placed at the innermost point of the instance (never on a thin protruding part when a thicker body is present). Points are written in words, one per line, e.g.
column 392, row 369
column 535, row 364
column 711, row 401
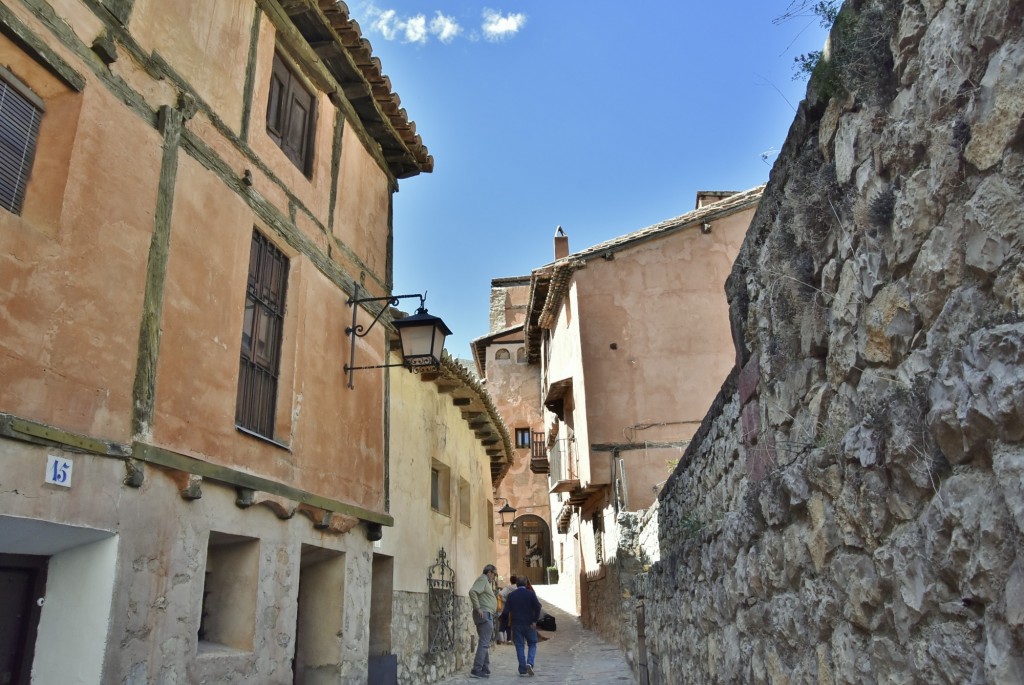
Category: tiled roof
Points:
column 730, row 205
column 550, row 283
column 479, row 347
column 338, row 42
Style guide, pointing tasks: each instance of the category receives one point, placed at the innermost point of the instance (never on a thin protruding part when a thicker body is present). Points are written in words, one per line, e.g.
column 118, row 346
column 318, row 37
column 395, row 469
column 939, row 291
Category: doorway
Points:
column 530, row 549
column 22, row 585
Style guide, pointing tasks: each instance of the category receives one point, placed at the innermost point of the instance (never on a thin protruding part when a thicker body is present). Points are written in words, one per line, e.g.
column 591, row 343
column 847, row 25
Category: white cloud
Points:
column 497, row 26
column 393, row 27
column 386, row 24
column 416, row 29
column 445, row 28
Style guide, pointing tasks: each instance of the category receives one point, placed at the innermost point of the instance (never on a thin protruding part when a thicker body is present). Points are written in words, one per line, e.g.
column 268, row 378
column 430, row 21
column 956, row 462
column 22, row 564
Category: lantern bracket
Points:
column 357, row 330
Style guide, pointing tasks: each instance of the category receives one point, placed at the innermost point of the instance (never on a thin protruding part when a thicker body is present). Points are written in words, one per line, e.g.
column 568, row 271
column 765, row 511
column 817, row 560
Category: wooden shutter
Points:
column 291, row 115
column 20, row 114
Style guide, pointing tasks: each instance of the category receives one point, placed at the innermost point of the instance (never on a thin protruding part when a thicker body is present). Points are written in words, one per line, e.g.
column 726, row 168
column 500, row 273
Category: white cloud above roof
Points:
column 498, row 26
column 416, row 29
column 495, row 26
column 444, row 27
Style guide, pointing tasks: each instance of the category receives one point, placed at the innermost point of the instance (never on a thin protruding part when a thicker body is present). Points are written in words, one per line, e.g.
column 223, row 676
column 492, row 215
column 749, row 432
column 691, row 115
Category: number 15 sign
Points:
column 58, row 470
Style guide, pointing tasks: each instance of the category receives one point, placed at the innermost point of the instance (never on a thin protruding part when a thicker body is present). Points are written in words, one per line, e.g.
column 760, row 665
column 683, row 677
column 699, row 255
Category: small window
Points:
column 521, row 355
column 321, row 608
column 291, row 115
column 20, row 113
column 502, row 355
column 261, row 337
column 464, row 506
column 440, row 488
column 522, row 437
column 228, row 613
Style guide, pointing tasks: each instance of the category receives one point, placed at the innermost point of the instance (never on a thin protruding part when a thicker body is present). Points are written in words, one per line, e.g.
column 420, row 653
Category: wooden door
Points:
column 22, row 585
column 530, row 548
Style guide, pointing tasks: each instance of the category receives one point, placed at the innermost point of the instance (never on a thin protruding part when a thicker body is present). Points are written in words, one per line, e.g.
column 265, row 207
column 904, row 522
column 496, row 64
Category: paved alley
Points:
column 571, row 654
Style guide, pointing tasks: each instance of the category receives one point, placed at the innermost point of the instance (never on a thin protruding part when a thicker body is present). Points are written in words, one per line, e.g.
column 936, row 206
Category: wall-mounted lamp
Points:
column 421, row 334
column 507, row 509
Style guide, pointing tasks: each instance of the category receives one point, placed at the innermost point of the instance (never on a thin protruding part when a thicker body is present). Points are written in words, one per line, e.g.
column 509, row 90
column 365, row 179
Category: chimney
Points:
column 561, row 244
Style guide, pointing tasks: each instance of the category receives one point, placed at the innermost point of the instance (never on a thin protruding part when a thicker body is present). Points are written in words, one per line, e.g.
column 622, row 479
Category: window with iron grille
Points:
column 291, row 115
column 522, row 437
column 261, row 337
column 20, row 113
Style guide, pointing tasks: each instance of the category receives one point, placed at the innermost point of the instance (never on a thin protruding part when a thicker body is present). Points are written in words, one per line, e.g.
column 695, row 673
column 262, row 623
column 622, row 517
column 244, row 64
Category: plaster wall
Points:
column 427, row 426
column 333, row 436
column 516, row 389
column 207, row 44
column 564, row 360
column 362, row 213
column 150, row 576
column 76, row 264
column 84, row 267
column 662, row 305
column 76, row 614
column 62, row 359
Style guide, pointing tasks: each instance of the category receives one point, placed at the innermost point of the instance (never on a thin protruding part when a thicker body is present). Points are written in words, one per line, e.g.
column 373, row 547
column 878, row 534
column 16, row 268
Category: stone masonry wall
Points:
column 852, row 510
column 410, row 630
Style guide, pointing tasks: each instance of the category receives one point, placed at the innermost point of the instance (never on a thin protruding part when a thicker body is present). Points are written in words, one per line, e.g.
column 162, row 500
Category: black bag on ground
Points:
column 547, row 622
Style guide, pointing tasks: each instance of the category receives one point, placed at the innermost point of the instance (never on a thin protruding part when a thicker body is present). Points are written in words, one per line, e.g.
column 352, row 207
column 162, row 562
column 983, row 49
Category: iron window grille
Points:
column 20, row 113
column 261, row 337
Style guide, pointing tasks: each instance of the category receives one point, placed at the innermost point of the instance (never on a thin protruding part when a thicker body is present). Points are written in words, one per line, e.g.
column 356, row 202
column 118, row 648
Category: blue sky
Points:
column 600, row 117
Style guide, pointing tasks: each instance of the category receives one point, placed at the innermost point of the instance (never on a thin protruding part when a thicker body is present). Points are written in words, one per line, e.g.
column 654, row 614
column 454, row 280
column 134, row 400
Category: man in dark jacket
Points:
column 523, row 611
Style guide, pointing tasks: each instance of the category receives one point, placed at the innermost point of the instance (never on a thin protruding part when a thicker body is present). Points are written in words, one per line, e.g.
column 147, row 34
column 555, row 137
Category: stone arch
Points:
column 530, row 548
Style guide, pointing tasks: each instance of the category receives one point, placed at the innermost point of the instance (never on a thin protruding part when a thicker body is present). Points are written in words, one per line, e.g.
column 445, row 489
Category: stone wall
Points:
column 852, row 509
column 410, row 627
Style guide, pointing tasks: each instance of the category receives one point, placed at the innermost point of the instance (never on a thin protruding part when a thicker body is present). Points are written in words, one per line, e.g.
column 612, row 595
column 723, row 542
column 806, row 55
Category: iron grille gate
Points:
column 441, row 588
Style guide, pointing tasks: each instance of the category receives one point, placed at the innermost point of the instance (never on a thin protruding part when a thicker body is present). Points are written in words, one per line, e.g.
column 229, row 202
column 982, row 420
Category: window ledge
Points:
column 262, row 438
column 206, row 649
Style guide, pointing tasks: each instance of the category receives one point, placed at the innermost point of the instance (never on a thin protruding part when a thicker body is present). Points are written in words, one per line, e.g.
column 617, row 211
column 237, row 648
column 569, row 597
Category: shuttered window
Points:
column 261, row 337
column 20, row 113
column 291, row 114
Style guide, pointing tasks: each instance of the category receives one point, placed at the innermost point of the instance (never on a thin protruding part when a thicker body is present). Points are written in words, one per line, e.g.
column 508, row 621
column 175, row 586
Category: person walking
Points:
column 481, row 596
column 504, row 630
column 523, row 610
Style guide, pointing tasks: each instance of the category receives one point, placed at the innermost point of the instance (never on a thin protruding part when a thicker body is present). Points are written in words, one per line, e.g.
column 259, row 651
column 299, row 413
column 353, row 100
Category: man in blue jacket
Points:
column 522, row 608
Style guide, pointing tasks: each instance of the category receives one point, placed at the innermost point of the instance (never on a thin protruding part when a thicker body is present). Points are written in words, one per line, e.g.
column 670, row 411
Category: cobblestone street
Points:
column 571, row 655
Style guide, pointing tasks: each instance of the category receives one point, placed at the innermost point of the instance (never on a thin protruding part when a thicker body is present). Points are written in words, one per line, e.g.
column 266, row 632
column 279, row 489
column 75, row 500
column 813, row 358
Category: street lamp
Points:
column 422, row 335
column 507, row 509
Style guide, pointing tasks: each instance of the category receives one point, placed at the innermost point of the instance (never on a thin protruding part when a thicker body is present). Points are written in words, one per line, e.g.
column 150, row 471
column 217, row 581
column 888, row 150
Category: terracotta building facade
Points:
column 626, row 344
column 190, row 195
column 523, row 536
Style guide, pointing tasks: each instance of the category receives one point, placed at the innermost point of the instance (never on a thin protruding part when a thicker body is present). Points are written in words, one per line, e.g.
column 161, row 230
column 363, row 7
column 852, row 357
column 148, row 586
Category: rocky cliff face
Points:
column 853, row 508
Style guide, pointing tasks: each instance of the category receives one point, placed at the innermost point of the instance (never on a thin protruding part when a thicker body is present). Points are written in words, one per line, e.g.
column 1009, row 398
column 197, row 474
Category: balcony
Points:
column 538, row 455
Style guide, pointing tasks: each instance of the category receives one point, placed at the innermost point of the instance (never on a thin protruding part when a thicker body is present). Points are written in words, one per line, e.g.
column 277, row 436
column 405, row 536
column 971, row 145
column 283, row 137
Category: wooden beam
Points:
column 224, row 474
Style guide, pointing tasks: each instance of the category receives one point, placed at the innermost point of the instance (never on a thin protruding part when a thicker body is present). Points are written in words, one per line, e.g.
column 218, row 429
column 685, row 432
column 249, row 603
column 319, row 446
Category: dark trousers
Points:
column 525, row 639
